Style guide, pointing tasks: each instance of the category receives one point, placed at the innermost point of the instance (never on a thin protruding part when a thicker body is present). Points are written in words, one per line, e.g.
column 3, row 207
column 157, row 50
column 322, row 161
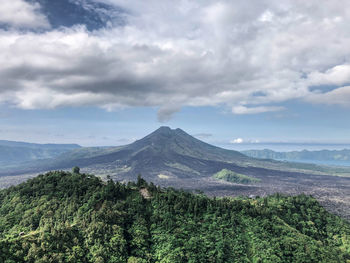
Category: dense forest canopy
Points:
column 73, row 217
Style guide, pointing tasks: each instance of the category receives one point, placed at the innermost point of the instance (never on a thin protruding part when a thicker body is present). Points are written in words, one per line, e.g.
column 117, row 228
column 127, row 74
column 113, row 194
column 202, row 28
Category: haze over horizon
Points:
column 237, row 144
column 107, row 72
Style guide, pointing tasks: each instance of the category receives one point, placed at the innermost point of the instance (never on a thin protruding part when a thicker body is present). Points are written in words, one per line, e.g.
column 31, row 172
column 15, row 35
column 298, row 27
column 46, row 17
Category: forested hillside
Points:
column 230, row 176
column 73, row 217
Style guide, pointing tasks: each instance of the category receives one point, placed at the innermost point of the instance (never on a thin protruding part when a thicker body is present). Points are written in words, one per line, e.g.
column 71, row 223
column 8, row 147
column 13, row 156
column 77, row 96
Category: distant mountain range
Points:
column 171, row 157
column 165, row 151
column 18, row 152
column 171, row 153
column 305, row 155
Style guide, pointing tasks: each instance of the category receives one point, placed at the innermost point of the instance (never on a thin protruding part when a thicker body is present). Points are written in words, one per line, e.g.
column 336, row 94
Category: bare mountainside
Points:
column 171, row 157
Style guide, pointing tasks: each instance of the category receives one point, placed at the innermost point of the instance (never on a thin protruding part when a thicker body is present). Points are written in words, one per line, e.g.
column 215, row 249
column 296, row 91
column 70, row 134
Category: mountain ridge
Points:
column 165, row 150
column 14, row 152
column 304, row 155
column 37, row 145
column 173, row 158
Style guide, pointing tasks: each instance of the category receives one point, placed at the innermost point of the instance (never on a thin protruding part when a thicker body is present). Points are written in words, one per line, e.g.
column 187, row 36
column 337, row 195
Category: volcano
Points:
column 173, row 158
column 164, row 154
column 168, row 152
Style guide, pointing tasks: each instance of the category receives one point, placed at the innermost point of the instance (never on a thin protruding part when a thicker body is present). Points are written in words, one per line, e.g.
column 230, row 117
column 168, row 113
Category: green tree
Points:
column 76, row 170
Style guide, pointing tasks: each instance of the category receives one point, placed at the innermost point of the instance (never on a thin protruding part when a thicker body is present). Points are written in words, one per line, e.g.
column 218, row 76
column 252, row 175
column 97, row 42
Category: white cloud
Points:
column 240, row 140
column 237, row 141
column 254, row 110
column 203, row 53
column 18, row 13
column 339, row 96
column 338, row 75
column 267, row 16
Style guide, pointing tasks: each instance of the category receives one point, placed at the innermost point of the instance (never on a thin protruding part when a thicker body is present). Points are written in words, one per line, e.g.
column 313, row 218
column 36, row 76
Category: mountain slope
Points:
column 173, row 158
column 155, row 152
column 64, row 217
column 167, row 151
column 166, row 140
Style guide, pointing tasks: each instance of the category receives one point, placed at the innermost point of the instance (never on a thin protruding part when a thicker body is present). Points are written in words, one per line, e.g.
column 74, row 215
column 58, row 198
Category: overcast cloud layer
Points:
column 249, row 56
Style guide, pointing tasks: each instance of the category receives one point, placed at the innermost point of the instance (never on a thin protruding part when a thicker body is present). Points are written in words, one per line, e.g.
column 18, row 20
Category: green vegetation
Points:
column 232, row 177
column 76, row 170
column 75, row 217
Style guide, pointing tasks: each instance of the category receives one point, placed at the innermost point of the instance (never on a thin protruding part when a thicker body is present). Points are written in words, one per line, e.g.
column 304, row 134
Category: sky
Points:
column 238, row 74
